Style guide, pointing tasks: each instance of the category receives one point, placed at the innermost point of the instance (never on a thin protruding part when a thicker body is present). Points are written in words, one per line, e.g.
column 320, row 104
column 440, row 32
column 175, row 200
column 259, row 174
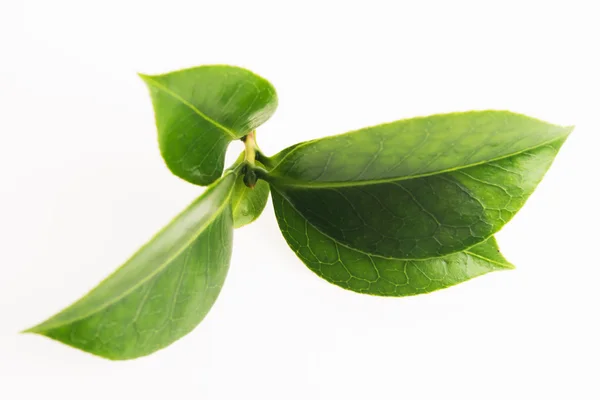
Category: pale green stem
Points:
column 251, row 148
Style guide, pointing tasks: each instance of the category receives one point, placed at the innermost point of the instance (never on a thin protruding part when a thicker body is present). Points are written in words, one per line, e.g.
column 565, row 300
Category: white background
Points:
column 82, row 185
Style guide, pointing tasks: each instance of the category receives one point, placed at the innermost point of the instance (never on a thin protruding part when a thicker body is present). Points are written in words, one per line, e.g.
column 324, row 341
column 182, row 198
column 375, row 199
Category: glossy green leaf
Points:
column 199, row 111
column 162, row 292
column 248, row 203
column 419, row 188
column 364, row 273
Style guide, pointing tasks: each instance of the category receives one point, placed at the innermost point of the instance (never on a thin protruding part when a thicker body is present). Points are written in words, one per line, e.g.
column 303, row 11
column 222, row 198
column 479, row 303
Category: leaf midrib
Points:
column 276, row 178
column 507, row 265
column 158, row 270
column 160, row 86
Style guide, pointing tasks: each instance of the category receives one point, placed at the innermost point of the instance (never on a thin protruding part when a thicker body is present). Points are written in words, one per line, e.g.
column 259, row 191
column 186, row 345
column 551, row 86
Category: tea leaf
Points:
column 419, row 188
column 364, row 273
column 248, row 203
column 162, row 292
column 199, row 111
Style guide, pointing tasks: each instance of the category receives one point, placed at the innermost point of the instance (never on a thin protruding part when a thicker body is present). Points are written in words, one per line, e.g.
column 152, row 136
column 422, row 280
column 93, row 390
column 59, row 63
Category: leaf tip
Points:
column 509, row 266
column 33, row 329
column 569, row 129
column 144, row 77
column 41, row 329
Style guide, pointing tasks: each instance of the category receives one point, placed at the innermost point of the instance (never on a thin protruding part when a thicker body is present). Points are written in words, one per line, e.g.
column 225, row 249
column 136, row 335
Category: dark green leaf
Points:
column 419, row 188
column 200, row 110
column 364, row 273
column 162, row 292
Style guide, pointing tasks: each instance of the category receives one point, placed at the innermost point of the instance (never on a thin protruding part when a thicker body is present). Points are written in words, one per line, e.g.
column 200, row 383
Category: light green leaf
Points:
column 199, row 111
column 419, row 188
column 364, row 273
column 162, row 292
column 248, row 203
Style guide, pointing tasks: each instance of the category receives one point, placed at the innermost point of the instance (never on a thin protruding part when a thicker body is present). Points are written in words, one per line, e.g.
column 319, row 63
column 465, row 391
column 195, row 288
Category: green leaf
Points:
column 199, row 111
column 248, row 203
column 422, row 187
column 162, row 292
column 364, row 273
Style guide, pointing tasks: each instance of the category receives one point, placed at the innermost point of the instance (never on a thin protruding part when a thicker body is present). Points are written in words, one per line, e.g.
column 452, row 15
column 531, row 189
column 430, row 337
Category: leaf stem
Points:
column 250, row 148
column 264, row 160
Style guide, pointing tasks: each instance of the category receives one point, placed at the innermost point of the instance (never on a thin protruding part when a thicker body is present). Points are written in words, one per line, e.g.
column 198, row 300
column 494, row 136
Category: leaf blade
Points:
column 357, row 271
column 422, row 216
column 199, row 111
column 248, row 203
column 106, row 321
column 481, row 135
